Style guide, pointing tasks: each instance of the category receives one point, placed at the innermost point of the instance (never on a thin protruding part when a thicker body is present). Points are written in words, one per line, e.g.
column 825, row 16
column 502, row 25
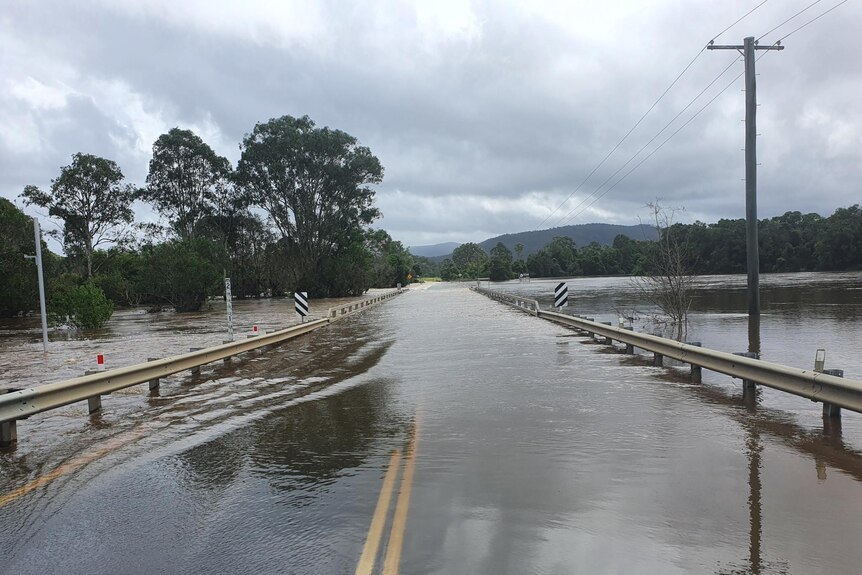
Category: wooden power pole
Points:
column 753, row 260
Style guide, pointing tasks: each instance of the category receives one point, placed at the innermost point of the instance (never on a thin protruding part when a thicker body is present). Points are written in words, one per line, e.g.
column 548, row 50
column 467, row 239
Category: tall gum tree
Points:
column 93, row 202
column 186, row 180
column 315, row 185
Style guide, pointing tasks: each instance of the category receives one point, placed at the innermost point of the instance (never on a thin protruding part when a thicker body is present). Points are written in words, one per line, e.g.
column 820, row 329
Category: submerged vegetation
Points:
column 295, row 213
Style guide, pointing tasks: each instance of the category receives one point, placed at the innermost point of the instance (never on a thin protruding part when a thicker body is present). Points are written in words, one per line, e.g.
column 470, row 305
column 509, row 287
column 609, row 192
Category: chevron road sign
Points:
column 300, row 300
column 561, row 295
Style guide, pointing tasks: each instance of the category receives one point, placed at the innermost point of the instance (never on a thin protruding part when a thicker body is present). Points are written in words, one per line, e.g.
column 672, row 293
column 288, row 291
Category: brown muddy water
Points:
column 521, row 446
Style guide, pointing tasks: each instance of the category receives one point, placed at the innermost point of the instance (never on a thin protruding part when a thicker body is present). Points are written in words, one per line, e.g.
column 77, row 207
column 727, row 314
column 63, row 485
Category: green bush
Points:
column 86, row 306
column 183, row 272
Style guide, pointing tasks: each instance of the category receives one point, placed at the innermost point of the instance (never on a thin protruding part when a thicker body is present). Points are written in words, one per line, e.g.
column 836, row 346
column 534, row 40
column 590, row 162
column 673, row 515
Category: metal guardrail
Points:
column 338, row 312
column 816, row 386
column 23, row 403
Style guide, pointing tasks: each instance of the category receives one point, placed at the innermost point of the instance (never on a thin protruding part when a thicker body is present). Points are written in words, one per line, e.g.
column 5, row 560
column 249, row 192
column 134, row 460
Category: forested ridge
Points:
column 792, row 242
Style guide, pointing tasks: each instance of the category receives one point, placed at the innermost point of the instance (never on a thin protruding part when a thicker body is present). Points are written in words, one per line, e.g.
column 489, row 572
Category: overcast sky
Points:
column 485, row 115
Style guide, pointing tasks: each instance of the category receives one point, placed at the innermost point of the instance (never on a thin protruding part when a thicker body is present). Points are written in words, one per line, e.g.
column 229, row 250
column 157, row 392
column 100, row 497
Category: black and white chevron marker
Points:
column 561, row 295
column 300, row 301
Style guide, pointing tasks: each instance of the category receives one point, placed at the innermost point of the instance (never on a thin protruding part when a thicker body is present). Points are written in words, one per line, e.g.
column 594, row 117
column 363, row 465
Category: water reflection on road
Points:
column 539, row 452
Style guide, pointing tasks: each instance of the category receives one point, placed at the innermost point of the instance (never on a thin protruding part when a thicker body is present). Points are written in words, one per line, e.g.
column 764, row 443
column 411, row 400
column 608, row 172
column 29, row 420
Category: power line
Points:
column 645, row 114
column 659, row 147
column 741, row 18
column 651, row 140
column 632, row 129
column 776, row 43
column 813, row 20
column 795, row 30
column 812, row 5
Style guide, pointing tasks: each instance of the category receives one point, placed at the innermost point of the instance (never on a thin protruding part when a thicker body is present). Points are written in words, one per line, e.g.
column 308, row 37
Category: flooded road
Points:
column 505, row 443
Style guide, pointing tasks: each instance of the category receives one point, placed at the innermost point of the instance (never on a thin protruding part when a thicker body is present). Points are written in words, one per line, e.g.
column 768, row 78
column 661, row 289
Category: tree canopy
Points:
column 470, row 259
column 315, row 183
column 93, row 202
column 186, row 181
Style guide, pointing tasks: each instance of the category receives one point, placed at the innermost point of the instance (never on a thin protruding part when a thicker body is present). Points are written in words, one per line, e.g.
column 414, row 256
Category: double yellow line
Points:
column 399, row 521
column 77, row 462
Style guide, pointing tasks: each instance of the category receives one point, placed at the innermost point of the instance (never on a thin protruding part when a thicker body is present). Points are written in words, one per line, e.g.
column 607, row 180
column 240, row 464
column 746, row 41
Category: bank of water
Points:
column 538, row 451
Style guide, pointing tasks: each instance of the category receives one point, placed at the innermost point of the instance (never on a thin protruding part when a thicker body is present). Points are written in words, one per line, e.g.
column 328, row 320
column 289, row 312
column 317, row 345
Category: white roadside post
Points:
column 229, row 301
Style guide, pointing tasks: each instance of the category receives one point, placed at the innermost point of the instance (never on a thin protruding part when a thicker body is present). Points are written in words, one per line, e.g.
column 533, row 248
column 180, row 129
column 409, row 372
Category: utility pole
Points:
column 752, row 248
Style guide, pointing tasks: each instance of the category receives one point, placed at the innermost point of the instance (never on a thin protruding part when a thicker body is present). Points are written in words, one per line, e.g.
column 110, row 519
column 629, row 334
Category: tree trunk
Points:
column 88, row 252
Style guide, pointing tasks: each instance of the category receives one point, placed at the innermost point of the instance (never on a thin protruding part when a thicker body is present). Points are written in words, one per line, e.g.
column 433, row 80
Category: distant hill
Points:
column 434, row 250
column 582, row 234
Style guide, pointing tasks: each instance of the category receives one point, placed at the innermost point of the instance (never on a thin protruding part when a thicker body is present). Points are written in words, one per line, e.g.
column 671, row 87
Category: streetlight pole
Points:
column 37, row 232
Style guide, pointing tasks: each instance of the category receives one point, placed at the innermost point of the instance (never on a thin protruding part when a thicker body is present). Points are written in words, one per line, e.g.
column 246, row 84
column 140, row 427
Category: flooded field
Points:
column 521, row 446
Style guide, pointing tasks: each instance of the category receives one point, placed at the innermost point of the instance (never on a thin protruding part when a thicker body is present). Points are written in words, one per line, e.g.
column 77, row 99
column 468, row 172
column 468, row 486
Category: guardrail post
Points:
column 608, row 340
column 747, row 383
column 630, row 349
column 9, row 429
column 154, row 383
column 195, row 370
column 94, row 403
column 830, row 410
column 657, row 359
column 8, row 433
column 696, row 370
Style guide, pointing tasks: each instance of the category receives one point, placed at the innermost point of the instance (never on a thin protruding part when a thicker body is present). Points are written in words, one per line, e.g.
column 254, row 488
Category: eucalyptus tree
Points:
column 93, row 202
column 500, row 264
column 393, row 263
column 470, row 258
column 315, row 183
column 187, row 180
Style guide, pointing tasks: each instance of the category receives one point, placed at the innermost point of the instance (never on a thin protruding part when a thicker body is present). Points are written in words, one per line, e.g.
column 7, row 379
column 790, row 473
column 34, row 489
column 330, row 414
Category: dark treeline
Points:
column 792, row 242
column 293, row 214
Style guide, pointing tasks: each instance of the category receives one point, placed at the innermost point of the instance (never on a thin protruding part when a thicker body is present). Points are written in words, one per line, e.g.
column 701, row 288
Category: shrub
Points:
column 183, row 272
column 86, row 306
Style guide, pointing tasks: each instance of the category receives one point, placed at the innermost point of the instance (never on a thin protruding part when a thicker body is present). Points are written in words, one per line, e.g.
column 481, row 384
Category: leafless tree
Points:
column 669, row 281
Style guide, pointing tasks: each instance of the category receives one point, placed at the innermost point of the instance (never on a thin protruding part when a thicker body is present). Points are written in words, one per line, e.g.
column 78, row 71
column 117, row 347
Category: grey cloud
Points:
column 523, row 109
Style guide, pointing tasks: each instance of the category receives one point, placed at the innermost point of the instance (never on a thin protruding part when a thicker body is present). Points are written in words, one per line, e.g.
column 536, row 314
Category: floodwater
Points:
column 507, row 444
column 133, row 335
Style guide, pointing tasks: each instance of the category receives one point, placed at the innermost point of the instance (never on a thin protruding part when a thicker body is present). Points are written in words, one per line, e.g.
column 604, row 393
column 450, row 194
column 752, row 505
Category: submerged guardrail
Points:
column 831, row 390
column 23, row 403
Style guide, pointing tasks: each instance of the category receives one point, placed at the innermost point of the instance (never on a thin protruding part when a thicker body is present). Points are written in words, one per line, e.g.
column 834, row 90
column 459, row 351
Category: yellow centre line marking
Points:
column 74, row 464
column 375, row 532
column 399, row 522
